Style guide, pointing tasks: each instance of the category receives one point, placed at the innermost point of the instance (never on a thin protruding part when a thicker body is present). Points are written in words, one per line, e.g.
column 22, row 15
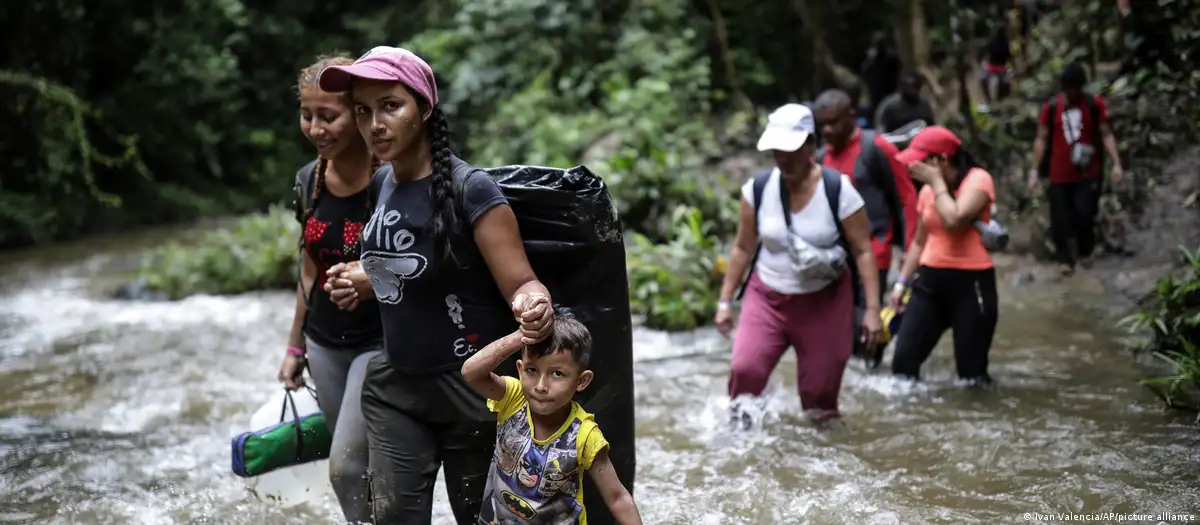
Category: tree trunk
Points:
column 960, row 22
column 912, row 36
column 912, row 42
column 731, row 77
column 823, row 60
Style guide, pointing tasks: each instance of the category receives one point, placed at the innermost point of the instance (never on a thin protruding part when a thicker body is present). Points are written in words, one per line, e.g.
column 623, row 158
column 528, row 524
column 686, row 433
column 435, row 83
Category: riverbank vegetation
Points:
column 663, row 99
column 1167, row 326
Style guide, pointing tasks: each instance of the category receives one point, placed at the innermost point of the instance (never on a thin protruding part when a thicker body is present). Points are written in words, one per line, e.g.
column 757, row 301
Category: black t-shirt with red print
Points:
column 331, row 236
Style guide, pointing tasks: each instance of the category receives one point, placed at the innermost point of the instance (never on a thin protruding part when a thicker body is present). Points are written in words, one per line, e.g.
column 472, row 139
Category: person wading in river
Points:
column 332, row 208
column 883, row 183
column 955, row 287
column 443, row 257
column 798, row 225
column 1071, row 129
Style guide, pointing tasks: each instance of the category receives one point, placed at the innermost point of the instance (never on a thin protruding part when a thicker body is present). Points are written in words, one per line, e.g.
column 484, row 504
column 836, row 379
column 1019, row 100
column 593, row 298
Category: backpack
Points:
column 833, row 191
column 1093, row 113
column 574, row 242
column 891, row 192
column 302, row 190
column 302, row 201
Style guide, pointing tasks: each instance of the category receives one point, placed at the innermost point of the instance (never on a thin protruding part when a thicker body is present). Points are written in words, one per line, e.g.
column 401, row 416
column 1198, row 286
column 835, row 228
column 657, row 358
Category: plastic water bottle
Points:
column 288, row 487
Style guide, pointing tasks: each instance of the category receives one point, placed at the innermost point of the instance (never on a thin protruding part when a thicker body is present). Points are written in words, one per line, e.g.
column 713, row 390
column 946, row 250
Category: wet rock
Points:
column 138, row 290
column 1022, row 277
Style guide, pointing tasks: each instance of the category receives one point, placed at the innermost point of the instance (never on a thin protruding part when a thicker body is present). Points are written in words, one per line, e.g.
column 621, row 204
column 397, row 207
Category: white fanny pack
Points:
column 812, row 263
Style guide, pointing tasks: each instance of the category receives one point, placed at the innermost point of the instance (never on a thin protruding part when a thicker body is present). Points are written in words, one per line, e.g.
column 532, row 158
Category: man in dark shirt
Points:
column 881, row 72
column 904, row 106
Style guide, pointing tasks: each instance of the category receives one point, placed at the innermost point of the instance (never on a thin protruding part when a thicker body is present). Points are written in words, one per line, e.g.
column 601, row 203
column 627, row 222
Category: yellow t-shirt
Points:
column 542, row 478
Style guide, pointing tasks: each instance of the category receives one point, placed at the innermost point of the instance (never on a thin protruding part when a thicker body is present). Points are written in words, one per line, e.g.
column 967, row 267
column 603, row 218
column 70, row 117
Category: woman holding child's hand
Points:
column 443, row 258
column 535, row 315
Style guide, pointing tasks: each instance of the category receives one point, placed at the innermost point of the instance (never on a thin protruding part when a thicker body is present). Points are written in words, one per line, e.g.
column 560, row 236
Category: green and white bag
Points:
column 292, row 442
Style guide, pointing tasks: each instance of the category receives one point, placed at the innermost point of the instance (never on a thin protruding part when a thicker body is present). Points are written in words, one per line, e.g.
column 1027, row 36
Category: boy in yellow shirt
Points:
column 545, row 440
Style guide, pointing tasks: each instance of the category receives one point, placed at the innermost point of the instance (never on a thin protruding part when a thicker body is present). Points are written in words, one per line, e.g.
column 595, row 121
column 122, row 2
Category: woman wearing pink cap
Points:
column 443, row 258
column 956, row 285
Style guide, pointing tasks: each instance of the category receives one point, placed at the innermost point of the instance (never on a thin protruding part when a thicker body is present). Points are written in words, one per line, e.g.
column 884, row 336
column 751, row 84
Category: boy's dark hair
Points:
column 570, row 335
column 1074, row 76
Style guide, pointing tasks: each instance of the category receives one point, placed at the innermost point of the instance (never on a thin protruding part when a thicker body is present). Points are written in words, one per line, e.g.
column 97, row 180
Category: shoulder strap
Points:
column 305, row 178
column 888, row 184
column 302, row 188
column 867, row 136
column 1052, row 115
column 759, row 187
column 459, row 174
column 833, row 193
column 1094, row 115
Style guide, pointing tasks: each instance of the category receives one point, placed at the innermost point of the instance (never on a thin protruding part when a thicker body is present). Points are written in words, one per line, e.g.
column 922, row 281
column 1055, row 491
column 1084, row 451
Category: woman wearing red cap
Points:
column 956, row 284
column 444, row 259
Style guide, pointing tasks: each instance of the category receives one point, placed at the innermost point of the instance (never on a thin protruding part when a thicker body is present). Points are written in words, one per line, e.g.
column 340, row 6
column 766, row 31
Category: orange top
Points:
column 960, row 249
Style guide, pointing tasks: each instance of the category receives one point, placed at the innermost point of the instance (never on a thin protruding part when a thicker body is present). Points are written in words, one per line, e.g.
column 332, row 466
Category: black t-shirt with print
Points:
column 436, row 313
column 331, row 236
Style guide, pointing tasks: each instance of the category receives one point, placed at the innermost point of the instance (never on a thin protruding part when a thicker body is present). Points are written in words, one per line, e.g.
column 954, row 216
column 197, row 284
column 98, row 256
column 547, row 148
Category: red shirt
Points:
column 1078, row 123
column 845, row 159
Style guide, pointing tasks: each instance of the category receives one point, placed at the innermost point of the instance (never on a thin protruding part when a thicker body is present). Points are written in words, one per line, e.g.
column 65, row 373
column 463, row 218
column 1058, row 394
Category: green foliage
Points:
column 258, row 252
column 65, row 160
column 674, row 285
column 1168, row 324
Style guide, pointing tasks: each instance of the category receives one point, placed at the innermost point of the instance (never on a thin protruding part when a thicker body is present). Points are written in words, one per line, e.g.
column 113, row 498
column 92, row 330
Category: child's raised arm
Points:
column 620, row 501
column 478, row 369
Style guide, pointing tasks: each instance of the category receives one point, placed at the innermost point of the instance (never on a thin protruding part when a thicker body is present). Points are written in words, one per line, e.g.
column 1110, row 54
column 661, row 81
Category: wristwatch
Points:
column 724, row 304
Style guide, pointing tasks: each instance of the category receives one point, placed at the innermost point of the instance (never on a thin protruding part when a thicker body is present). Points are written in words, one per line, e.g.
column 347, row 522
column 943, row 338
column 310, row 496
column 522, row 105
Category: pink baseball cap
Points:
column 933, row 140
column 384, row 63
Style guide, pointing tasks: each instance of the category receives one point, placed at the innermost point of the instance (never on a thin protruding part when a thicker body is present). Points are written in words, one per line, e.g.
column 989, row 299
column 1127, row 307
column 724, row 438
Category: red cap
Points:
column 933, row 140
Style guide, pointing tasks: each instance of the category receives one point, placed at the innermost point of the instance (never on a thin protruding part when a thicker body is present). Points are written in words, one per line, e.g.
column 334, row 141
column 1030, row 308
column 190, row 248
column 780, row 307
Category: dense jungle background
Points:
column 148, row 253
column 122, row 115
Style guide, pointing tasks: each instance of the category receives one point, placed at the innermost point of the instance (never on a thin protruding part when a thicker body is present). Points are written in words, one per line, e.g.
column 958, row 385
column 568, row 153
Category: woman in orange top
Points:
column 956, row 285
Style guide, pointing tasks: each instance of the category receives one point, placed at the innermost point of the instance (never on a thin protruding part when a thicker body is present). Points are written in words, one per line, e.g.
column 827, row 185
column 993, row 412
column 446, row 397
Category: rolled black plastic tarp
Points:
column 574, row 242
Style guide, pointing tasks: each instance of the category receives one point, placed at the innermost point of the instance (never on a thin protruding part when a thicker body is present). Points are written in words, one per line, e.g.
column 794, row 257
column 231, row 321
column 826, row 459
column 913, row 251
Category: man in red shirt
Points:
column 1071, row 130
column 869, row 160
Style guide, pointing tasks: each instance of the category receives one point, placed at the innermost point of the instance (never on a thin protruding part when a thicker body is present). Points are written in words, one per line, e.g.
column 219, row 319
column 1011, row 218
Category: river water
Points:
column 116, row 412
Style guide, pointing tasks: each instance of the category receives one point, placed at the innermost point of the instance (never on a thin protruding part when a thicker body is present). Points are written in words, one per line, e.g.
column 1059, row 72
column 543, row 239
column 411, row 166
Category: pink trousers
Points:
column 819, row 325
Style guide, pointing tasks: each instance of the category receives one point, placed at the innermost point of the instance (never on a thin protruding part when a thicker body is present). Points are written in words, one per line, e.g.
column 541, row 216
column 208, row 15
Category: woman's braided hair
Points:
column 442, row 191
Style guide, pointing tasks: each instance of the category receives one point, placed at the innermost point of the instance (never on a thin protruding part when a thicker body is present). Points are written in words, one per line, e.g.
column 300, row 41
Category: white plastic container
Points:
column 288, row 487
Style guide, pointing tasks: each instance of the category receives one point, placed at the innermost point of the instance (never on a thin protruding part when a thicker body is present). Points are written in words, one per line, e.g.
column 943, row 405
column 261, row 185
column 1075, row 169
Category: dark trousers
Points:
column 961, row 300
column 1003, row 86
column 1073, row 210
column 415, row 425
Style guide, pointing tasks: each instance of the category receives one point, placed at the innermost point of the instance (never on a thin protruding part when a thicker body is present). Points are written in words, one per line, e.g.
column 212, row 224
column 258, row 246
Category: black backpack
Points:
column 1093, row 108
column 302, row 190
column 896, row 212
column 574, row 241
